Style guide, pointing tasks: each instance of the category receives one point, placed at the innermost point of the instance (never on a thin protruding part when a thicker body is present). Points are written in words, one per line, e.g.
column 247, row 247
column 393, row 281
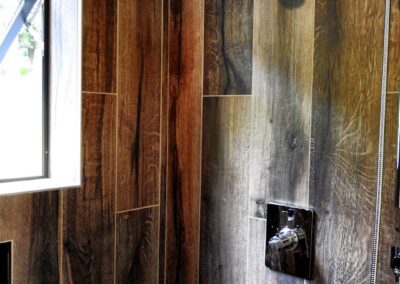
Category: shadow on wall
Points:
column 292, row 4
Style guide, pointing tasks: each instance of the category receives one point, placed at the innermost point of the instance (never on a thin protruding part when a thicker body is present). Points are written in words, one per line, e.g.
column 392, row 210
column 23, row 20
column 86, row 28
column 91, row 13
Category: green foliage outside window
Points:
column 27, row 42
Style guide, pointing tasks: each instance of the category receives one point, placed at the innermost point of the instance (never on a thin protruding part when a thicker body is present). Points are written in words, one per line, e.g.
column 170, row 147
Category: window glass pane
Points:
column 21, row 89
column 8, row 12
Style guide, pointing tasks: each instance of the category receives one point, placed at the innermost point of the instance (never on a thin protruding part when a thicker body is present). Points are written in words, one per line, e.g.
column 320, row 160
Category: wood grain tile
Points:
column 44, row 238
column 139, row 85
column 184, row 140
column 99, row 46
column 283, row 45
column 137, row 246
column 89, row 210
column 228, row 47
column 390, row 214
column 394, row 48
column 345, row 120
column 225, row 184
column 164, row 139
column 256, row 269
column 30, row 221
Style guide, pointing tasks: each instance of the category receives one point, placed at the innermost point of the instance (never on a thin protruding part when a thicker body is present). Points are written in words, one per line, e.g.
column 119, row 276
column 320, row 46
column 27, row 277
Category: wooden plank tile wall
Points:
column 283, row 44
column 279, row 117
column 224, row 198
column 76, row 235
column 99, row 46
column 394, row 49
column 164, row 144
column 228, row 29
column 137, row 249
column 31, row 222
column 345, row 120
column 88, row 212
column 139, row 95
column 185, row 53
column 390, row 230
column 317, row 104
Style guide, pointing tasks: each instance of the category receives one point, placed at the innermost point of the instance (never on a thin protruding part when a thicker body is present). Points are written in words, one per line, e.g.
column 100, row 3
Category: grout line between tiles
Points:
column 137, row 209
column 248, row 194
column 257, row 218
column 226, row 96
column 160, row 153
column 310, row 123
column 201, row 139
column 252, row 97
column 61, row 235
column 167, row 144
column 116, row 143
column 99, row 93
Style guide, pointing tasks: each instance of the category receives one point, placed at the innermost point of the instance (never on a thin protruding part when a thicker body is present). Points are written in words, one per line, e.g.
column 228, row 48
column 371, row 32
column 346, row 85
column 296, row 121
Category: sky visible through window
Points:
column 8, row 12
column 21, row 94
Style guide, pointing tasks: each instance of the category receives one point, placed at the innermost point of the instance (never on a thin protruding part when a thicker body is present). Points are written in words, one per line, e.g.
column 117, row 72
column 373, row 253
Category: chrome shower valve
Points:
column 287, row 239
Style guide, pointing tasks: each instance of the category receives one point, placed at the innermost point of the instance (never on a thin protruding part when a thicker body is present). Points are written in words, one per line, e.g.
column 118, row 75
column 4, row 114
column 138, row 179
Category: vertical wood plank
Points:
column 30, row 221
column 139, row 85
column 256, row 269
column 228, row 47
column 283, row 45
column 99, row 46
column 89, row 211
column 225, row 183
column 394, row 48
column 137, row 246
column 164, row 139
column 184, row 140
column 282, row 84
column 44, row 238
column 345, row 121
column 390, row 214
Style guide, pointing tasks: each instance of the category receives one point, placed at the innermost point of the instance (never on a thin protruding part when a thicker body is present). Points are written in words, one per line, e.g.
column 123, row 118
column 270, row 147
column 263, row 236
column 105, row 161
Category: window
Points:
column 40, row 100
column 24, row 96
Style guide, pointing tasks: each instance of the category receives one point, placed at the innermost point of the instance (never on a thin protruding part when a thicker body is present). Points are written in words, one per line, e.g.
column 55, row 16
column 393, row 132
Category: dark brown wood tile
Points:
column 228, row 47
column 184, row 140
column 89, row 211
column 164, row 137
column 394, row 49
column 139, row 85
column 137, row 246
column 44, row 238
column 283, row 49
column 99, row 46
column 345, row 120
column 225, row 183
column 31, row 222
column 390, row 214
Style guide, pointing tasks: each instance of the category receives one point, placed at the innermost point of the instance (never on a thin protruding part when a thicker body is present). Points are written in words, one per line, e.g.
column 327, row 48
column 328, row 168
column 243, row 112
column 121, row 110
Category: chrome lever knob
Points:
column 287, row 239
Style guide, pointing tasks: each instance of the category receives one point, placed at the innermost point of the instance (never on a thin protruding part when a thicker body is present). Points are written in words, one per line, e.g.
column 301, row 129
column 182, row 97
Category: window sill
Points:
column 29, row 186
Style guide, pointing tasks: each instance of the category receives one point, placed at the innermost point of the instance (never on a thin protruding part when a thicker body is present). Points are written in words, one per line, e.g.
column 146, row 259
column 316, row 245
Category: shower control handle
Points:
column 395, row 262
column 287, row 239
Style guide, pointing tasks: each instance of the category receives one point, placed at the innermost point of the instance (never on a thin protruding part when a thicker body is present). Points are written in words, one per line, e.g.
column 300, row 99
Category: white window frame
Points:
column 64, row 102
